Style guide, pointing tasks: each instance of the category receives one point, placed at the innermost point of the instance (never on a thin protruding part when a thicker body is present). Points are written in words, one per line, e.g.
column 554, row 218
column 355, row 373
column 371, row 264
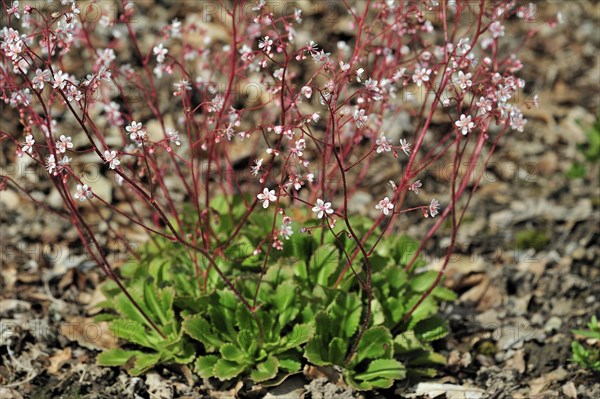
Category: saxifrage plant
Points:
column 301, row 318
column 240, row 98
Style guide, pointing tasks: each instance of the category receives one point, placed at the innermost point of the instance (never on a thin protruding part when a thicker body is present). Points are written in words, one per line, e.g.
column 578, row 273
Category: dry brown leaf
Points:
column 474, row 294
column 570, row 390
column 517, row 362
column 539, row 384
column 58, row 360
column 314, row 372
column 89, row 333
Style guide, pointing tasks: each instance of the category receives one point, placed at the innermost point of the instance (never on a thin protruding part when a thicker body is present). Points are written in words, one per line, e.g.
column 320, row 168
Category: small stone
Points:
column 537, row 319
column 553, row 324
column 489, row 318
column 570, row 390
column 578, row 253
column 561, row 306
column 10, row 199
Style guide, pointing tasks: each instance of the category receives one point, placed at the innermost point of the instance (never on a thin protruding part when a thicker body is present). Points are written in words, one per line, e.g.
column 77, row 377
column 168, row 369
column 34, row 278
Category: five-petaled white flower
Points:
column 14, row 9
column 29, row 142
column 265, row 44
column 83, row 192
column 383, row 145
column 385, row 205
column 415, row 187
column 160, row 52
column 497, row 29
column 322, row 208
column 286, row 228
column 360, row 118
column 111, row 157
column 299, row 148
column 60, row 80
column 267, row 196
column 421, row 75
column 484, row 105
column 434, row 207
column 181, row 87
column 464, row 124
column 306, row 91
column 137, row 132
column 173, row 136
column 63, row 143
column 41, row 77
column 464, row 80
column 405, row 145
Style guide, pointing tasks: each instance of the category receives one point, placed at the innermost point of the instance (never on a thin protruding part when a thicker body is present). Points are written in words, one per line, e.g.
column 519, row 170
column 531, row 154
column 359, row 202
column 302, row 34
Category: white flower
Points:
column 405, row 145
column 464, row 124
column 267, row 196
column 484, row 105
column 517, row 121
column 359, row 73
column 59, row 80
column 175, row 28
column 383, row 145
column 298, row 15
column 265, row 44
column 497, row 29
column 41, row 77
column 464, row 81
column 300, row 146
column 257, row 166
column 181, row 87
column 173, row 136
column 259, row 5
column 14, row 9
column 51, row 164
column 360, row 118
column 322, row 208
column 83, row 193
column 385, row 205
column 136, row 131
column 286, row 228
column 160, row 53
column 278, row 74
column 111, row 157
column 105, row 56
column 343, row 66
column 415, row 187
column 63, row 143
column 371, row 84
column 421, row 75
column 463, row 46
column 29, row 142
column 399, row 73
column 434, row 207
column 320, row 56
column 306, row 91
